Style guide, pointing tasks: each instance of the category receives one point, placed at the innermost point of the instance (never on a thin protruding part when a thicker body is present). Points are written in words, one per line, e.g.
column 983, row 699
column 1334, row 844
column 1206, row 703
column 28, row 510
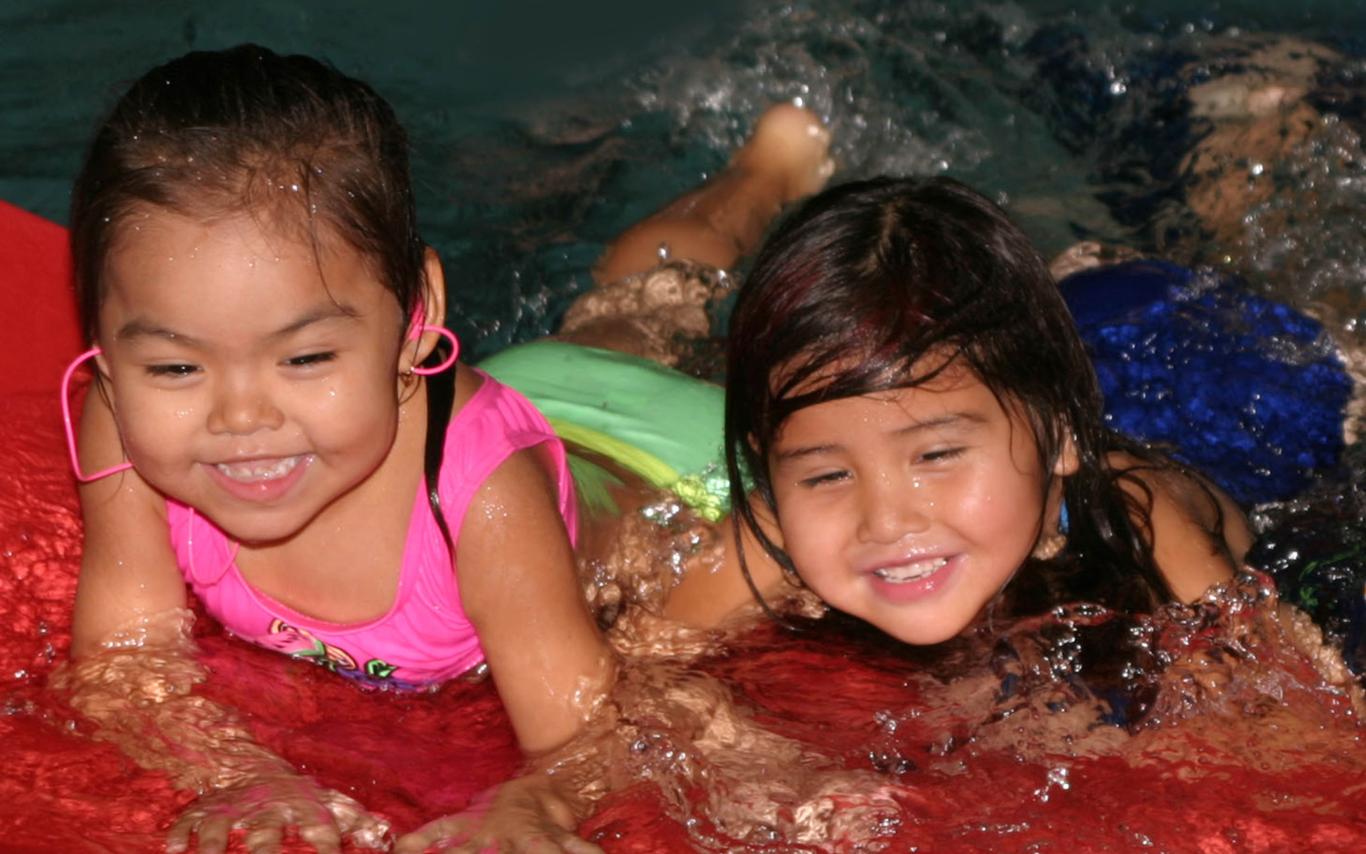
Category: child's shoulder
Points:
column 496, row 441
column 1160, row 481
column 1197, row 533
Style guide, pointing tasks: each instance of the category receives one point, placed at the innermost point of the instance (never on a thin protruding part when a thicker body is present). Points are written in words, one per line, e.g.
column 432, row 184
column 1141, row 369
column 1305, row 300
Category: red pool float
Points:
column 412, row 758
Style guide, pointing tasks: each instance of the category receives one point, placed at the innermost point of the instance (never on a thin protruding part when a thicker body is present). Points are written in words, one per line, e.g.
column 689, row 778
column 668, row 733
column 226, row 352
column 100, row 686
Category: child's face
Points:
column 911, row 508
column 241, row 385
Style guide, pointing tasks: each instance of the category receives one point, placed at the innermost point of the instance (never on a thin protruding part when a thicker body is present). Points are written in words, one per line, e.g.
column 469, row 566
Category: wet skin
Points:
column 242, row 385
column 911, row 508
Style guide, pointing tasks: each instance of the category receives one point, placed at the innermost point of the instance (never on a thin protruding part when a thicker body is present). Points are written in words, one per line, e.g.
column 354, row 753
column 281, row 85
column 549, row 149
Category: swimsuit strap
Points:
column 440, row 399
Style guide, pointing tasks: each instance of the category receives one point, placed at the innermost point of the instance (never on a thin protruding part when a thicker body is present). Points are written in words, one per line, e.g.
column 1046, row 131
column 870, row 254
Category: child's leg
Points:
column 643, row 308
column 784, row 159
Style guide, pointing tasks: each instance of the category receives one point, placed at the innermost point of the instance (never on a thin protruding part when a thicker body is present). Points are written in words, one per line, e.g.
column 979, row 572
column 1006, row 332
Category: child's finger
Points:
column 178, row 837
column 557, row 842
column 264, row 834
column 354, row 821
column 368, row 831
column 213, row 833
column 324, row 837
column 443, row 831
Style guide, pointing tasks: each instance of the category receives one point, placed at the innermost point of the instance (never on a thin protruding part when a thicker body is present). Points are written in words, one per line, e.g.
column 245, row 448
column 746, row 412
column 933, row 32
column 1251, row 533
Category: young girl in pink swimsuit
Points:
column 274, row 389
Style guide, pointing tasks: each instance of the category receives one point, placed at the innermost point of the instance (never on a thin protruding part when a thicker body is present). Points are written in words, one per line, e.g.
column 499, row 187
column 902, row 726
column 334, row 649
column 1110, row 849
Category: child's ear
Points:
column 101, row 368
column 101, row 363
column 433, row 311
column 1067, row 461
column 434, row 288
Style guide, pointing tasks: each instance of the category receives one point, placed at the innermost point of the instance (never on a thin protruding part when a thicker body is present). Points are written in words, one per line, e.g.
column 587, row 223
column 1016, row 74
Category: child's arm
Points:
column 553, row 669
column 134, row 674
column 1198, row 534
column 713, row 594
column 519, row 586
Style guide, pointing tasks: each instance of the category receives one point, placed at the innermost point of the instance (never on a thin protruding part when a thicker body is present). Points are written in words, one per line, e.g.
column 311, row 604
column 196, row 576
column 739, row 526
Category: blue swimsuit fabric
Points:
column 1243, row 388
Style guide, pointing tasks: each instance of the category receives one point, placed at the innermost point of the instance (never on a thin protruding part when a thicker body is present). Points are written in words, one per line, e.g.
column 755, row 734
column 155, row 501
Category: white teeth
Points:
column 258, row 469
column 910, row 571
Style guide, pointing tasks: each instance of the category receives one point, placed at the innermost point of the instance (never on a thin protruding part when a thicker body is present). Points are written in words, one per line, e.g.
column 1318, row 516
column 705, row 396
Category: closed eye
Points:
column 309, row 359
column 173, row 371
column 941, row 455
column 828, row 477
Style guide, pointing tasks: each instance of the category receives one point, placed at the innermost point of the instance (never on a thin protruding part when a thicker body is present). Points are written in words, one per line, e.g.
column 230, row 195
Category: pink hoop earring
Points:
column 70, row 433
column 418, row 329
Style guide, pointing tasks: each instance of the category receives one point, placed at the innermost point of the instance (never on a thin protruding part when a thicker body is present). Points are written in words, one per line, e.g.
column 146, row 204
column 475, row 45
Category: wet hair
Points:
column 883, row 284
column 287, row 140
column 246, row 131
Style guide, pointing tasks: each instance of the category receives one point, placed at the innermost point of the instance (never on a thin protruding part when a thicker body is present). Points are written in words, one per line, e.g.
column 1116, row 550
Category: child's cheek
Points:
column 155, row 431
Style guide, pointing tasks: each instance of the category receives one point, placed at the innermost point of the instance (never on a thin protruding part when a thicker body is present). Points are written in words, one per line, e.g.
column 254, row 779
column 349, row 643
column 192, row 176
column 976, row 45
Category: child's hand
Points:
column 523, row 815
column 264, row 805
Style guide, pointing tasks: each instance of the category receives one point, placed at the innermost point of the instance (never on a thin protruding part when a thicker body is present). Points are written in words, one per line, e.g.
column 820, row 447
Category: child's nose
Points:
column 893, row 508
column 242, row 408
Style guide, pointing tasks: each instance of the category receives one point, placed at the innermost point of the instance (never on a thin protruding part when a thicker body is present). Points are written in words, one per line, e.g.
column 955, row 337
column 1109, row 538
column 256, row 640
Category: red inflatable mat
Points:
column 413, row 758
column 37, row 305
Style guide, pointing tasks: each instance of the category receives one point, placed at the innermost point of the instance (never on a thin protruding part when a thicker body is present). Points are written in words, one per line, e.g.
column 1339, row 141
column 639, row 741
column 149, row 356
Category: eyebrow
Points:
column 948, row 419
column 141, row 328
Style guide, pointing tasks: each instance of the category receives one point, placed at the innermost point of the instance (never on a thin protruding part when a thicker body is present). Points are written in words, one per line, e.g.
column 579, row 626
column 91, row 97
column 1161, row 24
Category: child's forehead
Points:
column 932, row 385
column 809, row 374
column 258, row 229
column 162, row 256
column 151, row 238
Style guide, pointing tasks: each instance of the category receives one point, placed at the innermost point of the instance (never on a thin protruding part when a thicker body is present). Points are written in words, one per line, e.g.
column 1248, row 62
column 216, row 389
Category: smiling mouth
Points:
column 260, row 471
column 902, row 573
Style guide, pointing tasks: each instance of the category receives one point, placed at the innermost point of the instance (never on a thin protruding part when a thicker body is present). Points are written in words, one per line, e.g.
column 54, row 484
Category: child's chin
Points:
column 920, row 634
column 255, row 530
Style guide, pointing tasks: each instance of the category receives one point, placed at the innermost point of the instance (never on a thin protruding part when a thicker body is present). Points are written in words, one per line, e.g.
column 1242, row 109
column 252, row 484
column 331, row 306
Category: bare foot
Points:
column 1255, row 107
column 1086, row 255
column 792, row 144
column 1263, row 75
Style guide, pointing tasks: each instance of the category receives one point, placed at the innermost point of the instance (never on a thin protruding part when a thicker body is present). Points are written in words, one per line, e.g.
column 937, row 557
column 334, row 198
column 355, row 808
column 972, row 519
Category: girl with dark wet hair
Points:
column 916, row 418
column 279, row 424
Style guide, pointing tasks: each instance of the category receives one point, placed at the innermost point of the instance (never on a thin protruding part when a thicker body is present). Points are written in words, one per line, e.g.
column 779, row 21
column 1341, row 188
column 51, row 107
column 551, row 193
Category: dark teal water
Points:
column 540, row 130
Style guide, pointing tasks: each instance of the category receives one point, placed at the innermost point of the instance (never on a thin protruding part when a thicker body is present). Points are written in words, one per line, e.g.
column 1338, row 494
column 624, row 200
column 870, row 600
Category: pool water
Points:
column 537, row 136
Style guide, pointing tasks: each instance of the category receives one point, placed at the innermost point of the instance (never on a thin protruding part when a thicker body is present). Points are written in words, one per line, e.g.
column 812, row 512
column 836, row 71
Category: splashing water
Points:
column 1196, row 729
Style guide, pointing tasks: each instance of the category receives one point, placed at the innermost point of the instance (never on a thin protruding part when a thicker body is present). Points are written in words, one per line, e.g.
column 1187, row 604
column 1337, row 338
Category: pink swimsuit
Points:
column 425, row 637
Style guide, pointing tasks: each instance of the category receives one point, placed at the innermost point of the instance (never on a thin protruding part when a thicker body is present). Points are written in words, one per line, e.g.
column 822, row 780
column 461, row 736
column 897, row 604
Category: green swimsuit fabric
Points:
column 662, row 425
